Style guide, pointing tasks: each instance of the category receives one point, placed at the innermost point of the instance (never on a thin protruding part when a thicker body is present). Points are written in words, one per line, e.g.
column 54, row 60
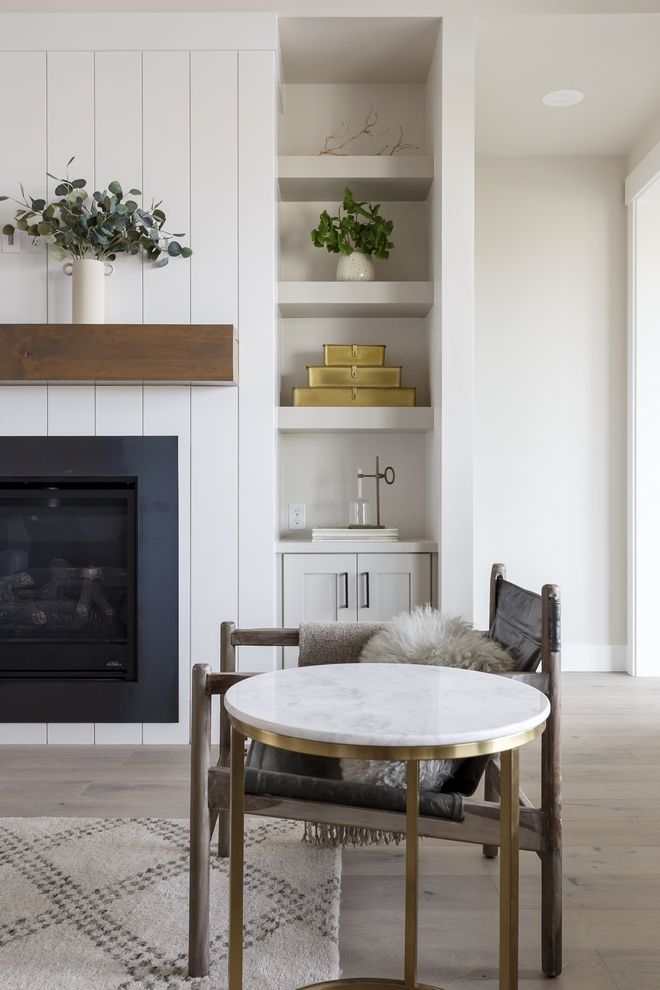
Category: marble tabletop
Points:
column 382, row 704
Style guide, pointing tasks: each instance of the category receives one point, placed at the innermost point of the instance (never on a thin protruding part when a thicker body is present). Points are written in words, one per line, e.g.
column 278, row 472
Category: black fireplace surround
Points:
column 88, row 579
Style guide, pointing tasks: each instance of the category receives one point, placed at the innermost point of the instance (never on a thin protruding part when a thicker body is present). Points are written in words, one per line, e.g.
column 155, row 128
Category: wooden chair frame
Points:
column 540, row 827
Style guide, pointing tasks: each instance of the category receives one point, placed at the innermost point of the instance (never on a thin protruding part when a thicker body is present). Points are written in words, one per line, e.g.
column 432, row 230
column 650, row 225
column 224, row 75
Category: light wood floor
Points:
column 612, row 849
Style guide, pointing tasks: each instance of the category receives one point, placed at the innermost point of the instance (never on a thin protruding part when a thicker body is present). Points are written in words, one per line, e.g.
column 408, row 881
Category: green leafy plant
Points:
column 101, row 225
column 357, row 227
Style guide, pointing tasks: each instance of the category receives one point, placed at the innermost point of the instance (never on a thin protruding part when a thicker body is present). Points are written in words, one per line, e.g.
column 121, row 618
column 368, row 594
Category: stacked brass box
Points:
column 353, row 375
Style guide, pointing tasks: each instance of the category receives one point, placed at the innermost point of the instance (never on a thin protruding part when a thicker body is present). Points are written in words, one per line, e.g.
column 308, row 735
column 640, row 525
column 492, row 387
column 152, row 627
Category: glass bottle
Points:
column 360, row 514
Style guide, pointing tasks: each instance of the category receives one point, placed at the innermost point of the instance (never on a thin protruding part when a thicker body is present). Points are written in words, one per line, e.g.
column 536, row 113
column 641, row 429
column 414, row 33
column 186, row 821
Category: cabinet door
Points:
column 389, row 583
column 319, row 587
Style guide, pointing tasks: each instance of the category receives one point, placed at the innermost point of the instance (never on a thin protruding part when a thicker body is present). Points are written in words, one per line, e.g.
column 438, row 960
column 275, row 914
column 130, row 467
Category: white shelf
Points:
column 336, row 419
column 309, row 299
column 355, row 546
column 319, row 178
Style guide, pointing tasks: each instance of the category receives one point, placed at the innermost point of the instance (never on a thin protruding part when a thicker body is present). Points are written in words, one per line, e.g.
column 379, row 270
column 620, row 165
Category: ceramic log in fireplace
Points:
column 88, row 579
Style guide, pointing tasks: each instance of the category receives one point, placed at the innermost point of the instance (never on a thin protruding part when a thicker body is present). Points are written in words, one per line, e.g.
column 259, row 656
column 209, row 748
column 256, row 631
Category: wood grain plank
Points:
column 204, row 354
column 214, row 165
column 257, row 129
column 71, row 410
column 23, row 280
column 166, row 165
column 119, row 410
column 70, row 83
column 118, row 110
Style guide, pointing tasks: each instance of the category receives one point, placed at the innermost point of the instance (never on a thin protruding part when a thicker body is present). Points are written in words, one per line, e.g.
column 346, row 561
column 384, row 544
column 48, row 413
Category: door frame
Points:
column 641, row 188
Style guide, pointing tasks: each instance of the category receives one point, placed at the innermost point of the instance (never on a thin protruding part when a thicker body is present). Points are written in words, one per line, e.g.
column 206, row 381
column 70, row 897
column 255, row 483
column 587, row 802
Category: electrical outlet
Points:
column 10, row 244
column 296, row 515
column 32, row 245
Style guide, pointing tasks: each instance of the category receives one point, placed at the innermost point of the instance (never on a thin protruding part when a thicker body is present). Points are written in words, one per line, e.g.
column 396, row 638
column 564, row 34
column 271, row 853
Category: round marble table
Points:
column 405, row 712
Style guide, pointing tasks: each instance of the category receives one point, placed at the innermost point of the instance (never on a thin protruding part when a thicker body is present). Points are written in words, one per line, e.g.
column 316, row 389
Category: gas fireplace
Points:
column 88, row 579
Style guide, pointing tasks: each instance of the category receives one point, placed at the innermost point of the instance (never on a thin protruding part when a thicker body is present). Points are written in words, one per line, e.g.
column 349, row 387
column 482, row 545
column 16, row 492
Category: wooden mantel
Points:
column 194, row 354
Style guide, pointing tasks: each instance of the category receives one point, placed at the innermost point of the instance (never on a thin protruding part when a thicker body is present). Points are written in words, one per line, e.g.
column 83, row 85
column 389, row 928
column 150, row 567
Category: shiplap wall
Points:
column 176, row 124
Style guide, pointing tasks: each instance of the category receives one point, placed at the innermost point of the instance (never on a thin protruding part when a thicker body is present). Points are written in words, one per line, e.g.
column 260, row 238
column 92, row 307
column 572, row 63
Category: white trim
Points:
column 70, row 734
column 631, row 659
column 148, row 32
column 643, row 175
column 355, row 546
column 584, row 657
column 455, row 265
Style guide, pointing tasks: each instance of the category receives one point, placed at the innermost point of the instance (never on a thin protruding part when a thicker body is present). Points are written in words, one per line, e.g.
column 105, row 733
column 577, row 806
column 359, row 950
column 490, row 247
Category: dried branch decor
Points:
column 336, row 143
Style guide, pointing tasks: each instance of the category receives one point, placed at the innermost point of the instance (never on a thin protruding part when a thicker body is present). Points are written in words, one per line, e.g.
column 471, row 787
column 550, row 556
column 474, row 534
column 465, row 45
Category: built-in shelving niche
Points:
column 320, row 449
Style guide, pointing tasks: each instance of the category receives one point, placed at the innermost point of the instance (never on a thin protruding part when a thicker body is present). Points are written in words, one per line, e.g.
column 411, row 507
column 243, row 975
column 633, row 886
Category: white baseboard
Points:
column 593, row 657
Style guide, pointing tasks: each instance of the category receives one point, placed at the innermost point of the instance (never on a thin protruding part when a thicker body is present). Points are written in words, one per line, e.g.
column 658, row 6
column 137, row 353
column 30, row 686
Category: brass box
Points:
column 354, row 376
column 346, row 355
column 358, row 397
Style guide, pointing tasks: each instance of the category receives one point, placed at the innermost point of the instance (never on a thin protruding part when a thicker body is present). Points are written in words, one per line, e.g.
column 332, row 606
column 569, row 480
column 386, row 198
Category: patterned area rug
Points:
column 102, row 904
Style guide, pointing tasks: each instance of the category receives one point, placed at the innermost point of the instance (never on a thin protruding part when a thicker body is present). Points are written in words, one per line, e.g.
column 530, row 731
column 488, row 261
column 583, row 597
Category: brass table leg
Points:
column 412, row 874
column 509, row 843
column 236, row 849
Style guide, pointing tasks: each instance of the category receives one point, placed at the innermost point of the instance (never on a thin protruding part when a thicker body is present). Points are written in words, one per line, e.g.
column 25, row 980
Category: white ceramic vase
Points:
column 355, row 267
column 88, row 289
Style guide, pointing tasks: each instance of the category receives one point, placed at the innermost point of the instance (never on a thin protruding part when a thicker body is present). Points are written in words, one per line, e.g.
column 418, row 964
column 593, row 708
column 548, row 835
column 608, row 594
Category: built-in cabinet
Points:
column 352, row 587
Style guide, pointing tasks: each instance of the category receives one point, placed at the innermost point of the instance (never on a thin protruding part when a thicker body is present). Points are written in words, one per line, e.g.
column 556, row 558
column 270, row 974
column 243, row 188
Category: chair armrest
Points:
column 220, row 683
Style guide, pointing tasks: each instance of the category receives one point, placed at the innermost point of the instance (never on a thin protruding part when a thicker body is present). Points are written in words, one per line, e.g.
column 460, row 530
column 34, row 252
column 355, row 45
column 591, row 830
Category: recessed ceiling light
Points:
column 563, row 98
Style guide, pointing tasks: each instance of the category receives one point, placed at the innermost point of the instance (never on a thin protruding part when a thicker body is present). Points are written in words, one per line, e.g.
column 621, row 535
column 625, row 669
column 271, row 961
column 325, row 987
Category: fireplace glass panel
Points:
column 67, row 560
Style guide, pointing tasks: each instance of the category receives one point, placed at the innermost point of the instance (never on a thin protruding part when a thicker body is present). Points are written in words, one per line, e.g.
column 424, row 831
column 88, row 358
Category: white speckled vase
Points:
column 356, row 267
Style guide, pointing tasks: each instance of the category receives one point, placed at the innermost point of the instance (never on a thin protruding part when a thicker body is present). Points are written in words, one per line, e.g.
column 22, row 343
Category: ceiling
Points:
column 362, row 50
column 614, row 59
column 343, row 8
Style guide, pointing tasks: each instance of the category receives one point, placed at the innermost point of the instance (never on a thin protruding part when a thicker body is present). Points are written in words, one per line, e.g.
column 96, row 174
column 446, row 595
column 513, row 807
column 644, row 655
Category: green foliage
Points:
column 101, row 225
column 357, row 227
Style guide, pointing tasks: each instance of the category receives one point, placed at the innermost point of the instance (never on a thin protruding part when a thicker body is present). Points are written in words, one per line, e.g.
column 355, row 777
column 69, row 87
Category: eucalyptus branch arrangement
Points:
column 101, row 225
column 357, row 227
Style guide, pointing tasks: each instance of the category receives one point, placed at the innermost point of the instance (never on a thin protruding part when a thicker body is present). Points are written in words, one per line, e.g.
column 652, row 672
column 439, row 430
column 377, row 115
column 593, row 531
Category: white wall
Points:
column 550, row 482
column 197, row 128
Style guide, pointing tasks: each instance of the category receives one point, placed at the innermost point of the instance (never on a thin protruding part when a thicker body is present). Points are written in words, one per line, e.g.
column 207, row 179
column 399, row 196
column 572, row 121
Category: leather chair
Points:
column 310, row 789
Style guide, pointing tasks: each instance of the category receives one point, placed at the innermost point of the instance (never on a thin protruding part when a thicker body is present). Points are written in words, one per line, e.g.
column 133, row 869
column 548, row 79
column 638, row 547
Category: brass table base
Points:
column 509, row 845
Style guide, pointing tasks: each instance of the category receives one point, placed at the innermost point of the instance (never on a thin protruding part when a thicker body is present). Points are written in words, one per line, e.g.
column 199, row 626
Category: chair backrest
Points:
column 525, row 623
column 516, row 624
column 528, row 626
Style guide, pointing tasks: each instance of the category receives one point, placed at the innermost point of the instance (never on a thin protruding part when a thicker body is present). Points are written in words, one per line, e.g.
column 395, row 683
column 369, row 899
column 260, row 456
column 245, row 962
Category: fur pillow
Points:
column 430, row 637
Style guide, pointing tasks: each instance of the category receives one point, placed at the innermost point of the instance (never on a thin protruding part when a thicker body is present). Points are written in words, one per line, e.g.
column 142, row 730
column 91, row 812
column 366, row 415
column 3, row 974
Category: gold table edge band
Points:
column 372, row 982
column 314, row 747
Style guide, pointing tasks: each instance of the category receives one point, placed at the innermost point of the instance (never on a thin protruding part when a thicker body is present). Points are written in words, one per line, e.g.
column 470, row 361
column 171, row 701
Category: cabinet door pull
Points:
column 365, row 575
column 344, row 579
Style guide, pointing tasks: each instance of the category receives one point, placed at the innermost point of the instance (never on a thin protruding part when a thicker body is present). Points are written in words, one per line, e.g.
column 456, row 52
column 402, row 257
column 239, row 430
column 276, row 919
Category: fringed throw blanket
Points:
column 349, row 835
